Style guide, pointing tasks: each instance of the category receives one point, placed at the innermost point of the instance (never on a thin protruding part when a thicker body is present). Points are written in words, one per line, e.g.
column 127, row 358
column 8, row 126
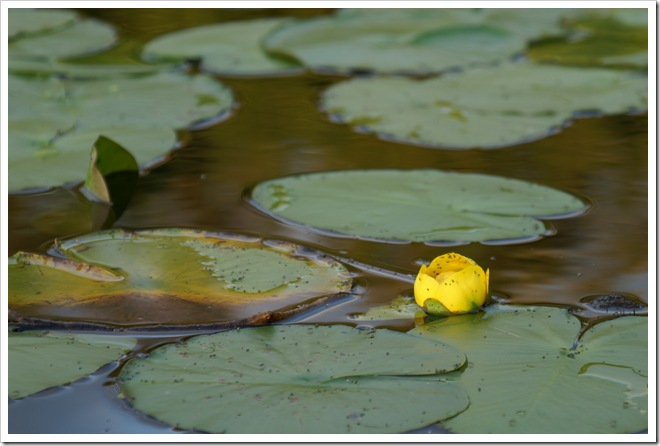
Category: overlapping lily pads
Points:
column 54, row 122
column 39, row 360
column 412, row 40
column 486, row 107
column 228, row 48
column 168, row 277
column 523, row 376
column 297, row 379
column 425, row 206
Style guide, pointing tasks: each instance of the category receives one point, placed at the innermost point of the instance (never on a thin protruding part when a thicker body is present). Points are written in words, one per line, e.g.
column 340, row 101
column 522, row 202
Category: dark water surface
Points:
column 278, row 130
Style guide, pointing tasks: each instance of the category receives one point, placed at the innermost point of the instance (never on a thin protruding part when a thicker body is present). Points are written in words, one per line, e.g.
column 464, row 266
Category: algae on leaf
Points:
column 426, row 205
column 523, row 376
column 39, row 360
column 293, row 379
column 168, row 277
column 485, row 107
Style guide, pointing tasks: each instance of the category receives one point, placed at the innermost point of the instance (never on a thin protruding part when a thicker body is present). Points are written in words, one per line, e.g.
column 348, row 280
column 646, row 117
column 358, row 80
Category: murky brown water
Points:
column 278, row 130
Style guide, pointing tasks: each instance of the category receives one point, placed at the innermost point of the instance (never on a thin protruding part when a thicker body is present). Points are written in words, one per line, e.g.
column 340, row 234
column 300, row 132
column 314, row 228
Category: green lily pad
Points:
column 297, row 379
column 523, row 376
column 39, row 360
column 226, row 48
column 486, row 107
column 168, row 277
column 425, row 206
column 403, row 307
column 411, row 40
column 24, row 22
column 617, row 37
column 54, row 122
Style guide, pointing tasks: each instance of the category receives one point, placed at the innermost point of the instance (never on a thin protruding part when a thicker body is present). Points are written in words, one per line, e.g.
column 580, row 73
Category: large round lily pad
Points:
column 425, row 206
column 171, row 277
column 54, row 122
column 411, row 40
column 485, row 107
column 227, row 48
column 39, row 360
column 297, row 379
column 523, row 376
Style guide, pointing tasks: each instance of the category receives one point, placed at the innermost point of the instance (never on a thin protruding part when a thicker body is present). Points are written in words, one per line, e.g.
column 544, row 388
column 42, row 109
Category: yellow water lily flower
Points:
column 452, row 283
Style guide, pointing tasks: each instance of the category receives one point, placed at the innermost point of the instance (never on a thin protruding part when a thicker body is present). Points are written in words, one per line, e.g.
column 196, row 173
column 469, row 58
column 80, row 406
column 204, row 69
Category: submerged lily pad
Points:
column 168, row 277
column 403, row 307
column 486, row 107
column 412, row 40
column 297, row 379
column 425, row 206
column 523, row 376
column 39, row 360
column 54, row 122
column 226, row 48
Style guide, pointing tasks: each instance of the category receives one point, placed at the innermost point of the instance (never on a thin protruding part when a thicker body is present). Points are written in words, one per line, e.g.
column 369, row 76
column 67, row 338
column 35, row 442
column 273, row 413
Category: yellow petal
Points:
column 425, row 287
column 465, row 290
column 450, row 262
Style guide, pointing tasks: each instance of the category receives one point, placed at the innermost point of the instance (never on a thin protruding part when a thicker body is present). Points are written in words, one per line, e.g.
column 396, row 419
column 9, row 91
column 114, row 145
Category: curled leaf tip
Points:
column 451, row 284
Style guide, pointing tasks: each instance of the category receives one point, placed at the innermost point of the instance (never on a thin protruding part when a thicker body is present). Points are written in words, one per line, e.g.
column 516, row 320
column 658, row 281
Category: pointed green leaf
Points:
column 297, row 379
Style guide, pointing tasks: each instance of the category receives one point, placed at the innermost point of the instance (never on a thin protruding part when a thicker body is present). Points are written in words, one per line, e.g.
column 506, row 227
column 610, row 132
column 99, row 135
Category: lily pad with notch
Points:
column 170, row 277
column 523, row 376
column 294, row 379
column 428, row 206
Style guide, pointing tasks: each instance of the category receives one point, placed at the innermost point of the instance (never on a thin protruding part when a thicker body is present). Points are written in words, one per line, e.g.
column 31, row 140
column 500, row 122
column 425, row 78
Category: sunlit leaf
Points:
column 227, row 48
column 424, row 206
column 168, row 277
column 54, row 122
column 297, row 379
column 486, row 107
column 412, row 40
column 402, row 307
column 39, row 360
column 523, row 376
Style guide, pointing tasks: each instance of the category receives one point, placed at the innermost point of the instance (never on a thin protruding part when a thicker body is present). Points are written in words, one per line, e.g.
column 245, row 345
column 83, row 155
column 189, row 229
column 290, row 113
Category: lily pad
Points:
column 297, row 379
column 24, row 22
column 411, row 40
column 486, row 107
column 426, row 205
column 227, row 48
column 168, row 277
column 403, row 307
column 523, row 376
column 39, row 360
column 54, row 122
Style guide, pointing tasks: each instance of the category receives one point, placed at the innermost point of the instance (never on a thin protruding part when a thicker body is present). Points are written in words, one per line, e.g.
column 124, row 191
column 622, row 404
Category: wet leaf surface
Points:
column 169, row 277
column 297, row 379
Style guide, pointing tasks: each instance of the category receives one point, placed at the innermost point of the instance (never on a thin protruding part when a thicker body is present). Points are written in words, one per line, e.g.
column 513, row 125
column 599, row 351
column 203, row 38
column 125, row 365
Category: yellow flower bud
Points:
column 453, row 284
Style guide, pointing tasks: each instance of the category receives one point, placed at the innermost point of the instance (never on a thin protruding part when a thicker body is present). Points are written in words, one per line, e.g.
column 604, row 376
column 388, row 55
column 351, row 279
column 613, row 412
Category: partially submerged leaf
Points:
column 53, row 122
column 39, row 360
column 168, row 277
column 485, row 107
column 229, row 48
column 400, row 308
column 297, row 379
column 523, row 376
column 426, row 205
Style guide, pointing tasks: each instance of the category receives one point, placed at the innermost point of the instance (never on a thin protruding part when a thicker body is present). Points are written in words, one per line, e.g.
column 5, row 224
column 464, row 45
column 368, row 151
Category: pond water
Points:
column 278, row 130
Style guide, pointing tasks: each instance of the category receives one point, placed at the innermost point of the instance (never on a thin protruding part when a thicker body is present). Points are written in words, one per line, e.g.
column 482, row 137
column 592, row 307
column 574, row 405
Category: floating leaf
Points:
column 168, row 277
column 486, row 107
column 227, row 48
column 426, row 205
column 616, row 37
column 24, row 22
column 523, row 376
column 39, row 360
column 297, row 379
column 54, row 122
column 400, row 308
column 411, row 40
